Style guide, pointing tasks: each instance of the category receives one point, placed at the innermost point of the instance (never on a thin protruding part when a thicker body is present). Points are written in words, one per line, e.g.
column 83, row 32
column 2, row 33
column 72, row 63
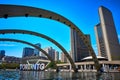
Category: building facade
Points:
column 63, row 57
column 100, row 41
column 36, row 51
column 52, row 52
column 28, row 52
column 2, row 54
column 78, row 48
column 107, row 39
column 11, row 59
column 56, row 55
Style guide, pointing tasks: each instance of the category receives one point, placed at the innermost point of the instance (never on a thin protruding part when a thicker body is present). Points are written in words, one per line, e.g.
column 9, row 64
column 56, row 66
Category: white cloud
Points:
column 7, row 45
column 95, row 48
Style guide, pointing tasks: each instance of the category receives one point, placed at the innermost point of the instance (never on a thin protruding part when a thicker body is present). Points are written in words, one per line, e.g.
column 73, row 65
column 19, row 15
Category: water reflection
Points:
column 34, row 75
column 9, row 75
column 49, row 75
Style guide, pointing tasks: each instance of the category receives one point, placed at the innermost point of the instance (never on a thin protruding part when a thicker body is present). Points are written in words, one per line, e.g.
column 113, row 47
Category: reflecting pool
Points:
column 49, row 75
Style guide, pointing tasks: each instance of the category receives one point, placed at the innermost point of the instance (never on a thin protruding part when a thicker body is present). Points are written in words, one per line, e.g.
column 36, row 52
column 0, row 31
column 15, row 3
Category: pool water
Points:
column 49, row 75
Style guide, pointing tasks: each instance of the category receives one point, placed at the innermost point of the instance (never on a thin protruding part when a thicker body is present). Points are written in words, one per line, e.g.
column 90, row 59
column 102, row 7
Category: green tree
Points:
column 9, row 65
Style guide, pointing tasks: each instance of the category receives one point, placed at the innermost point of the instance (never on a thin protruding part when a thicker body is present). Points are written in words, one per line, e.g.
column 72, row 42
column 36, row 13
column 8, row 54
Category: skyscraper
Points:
column 78, row 48
column 63, row 57
column 50, row 51
column 28, row 52
column 2, row 54
column 100, row 41
column 56, row 55
column 107, row 39
column 36, row 51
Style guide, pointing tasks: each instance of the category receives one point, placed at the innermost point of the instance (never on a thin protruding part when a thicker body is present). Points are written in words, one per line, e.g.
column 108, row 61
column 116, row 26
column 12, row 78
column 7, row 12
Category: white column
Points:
column 89, row 67
column 93, row 67
column 108, row 68
column 81, row 67
column 70, row 67
column 84, row 66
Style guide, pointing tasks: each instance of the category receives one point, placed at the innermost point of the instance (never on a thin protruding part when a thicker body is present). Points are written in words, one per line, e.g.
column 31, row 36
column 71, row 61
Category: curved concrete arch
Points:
column 24, row 42
column 8, row 31
column 17, row 10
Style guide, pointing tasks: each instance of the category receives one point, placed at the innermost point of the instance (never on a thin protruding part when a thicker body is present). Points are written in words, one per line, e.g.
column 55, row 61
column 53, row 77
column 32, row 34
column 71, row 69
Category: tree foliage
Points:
column 9, row 65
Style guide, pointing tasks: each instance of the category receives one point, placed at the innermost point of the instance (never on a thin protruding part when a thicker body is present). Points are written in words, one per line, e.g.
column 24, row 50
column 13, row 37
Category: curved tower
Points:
column 107, row 39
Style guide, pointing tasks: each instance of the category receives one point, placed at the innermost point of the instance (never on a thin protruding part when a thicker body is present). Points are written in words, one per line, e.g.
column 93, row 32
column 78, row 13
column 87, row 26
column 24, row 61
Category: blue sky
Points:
column 83, row 13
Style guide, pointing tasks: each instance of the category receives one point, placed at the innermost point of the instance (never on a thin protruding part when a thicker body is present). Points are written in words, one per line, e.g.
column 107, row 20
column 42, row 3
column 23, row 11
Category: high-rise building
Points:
column 36, row 51
column 100, row 41
column 42, row 54
column 78, row 48
column 2, row 54
column 56, row 55
column 28, row 52
column 63, row 57
column 50, row 51
column 107, row 39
